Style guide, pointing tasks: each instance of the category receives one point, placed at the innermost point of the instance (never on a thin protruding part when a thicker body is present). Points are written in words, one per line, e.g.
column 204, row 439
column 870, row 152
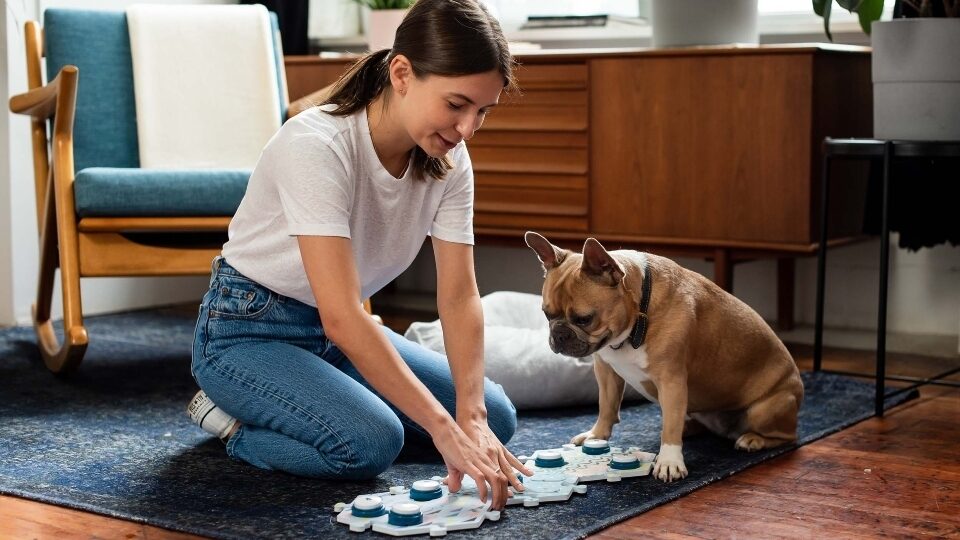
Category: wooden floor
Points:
column 893, row 477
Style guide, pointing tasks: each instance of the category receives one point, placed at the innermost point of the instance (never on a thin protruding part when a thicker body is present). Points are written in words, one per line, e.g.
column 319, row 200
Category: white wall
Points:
column 6, row 285
column 18, row 244
column 18, row 229
column 6, row 251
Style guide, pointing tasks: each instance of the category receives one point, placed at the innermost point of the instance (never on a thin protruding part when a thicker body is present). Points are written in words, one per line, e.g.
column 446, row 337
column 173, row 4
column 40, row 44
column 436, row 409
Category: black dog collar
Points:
column 639, row 333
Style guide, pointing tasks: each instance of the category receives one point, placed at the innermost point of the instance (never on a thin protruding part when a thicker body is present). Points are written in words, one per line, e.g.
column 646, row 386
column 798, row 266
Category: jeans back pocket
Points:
column 239, row 297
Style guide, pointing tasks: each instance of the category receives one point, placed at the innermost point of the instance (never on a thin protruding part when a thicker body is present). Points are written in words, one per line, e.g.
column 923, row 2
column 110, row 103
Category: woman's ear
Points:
column 401, row 71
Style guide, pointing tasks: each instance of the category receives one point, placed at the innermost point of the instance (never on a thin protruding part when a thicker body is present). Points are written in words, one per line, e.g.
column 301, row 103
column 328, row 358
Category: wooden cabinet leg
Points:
column 785, row 284
column 723, row 269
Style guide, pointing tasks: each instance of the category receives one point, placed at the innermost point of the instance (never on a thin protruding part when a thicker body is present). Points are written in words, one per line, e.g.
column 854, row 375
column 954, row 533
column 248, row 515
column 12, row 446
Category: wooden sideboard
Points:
column 710, row 152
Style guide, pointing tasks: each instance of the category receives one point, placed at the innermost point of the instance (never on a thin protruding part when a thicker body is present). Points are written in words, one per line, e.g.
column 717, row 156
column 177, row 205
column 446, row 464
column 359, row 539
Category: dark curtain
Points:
column 292, row 15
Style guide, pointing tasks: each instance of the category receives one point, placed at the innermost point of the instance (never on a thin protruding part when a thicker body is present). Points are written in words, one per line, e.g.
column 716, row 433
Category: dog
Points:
column 708, row 359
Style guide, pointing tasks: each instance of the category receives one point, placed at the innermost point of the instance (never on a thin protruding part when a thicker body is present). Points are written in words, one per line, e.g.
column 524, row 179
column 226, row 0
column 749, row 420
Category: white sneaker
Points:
column 205, row 413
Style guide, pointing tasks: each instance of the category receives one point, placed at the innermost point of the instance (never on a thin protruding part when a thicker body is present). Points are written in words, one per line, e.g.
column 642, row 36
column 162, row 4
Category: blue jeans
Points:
column 264, row 359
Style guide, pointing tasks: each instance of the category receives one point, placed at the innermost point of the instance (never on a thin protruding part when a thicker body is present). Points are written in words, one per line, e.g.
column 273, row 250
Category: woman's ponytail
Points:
column 361, row 84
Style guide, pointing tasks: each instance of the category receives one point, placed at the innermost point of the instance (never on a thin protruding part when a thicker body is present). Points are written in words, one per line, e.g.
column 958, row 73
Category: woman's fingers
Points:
column 517, row 464
column 508, row 470
column 453, row 480
column 498, row 483
column 480, row 479
column 491, row 475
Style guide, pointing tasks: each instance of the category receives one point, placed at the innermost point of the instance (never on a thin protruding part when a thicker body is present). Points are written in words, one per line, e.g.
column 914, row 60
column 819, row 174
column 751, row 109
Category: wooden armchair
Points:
column 98, row 213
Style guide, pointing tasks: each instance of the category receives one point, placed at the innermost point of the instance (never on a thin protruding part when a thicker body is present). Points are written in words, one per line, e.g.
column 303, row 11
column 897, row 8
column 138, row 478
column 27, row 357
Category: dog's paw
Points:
column 592, row 434
column 579, row 439
column 750, row 442
column 669, row 465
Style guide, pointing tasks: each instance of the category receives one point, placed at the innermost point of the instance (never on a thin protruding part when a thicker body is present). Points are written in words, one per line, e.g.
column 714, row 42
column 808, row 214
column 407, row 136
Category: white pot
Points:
column 678, row 23
column 916, row 79
column 382, row 27
column 333, row 18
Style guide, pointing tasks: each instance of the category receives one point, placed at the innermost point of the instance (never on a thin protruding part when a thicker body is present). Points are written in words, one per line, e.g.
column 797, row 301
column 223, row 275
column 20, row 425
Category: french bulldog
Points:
column 708, row 359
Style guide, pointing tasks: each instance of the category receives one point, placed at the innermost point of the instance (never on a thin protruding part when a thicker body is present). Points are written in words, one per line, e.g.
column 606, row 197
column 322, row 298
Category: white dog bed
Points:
column 518, row 356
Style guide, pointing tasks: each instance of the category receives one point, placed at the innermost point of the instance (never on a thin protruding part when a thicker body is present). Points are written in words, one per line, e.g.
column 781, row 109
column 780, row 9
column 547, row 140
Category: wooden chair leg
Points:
column 66, row 356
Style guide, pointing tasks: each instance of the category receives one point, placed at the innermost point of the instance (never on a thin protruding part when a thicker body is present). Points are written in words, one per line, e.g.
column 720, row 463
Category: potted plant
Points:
column 381, row 21
column 680, row 23
column 916, row 75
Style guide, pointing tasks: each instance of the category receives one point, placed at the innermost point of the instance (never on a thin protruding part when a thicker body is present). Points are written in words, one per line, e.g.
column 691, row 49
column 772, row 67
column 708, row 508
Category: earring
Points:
column 403, row 91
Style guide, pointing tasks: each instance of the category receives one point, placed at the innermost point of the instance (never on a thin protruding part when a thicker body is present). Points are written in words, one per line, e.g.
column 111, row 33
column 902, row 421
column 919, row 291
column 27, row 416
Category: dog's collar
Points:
column 639, row 333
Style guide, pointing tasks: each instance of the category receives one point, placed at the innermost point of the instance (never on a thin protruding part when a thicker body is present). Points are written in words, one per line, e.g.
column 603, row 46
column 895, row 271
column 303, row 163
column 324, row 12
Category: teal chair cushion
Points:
column 97, row 42
column 114, row 192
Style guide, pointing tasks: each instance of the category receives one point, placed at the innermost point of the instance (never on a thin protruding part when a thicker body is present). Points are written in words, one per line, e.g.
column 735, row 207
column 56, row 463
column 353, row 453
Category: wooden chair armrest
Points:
column 41, row 102
column 309, row 100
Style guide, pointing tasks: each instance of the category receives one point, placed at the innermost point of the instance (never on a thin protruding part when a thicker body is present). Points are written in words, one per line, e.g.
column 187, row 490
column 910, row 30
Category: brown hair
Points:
column 440, row 37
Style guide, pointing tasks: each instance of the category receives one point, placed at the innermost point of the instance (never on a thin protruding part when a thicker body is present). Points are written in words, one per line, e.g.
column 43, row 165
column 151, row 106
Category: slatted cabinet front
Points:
column 531, row 158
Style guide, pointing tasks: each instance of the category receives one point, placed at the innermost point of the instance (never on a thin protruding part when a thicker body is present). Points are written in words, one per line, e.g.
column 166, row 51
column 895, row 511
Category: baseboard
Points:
column 936, row 345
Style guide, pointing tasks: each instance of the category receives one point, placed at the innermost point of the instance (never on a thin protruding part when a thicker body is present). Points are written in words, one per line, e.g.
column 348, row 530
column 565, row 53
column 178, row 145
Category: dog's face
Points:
column 583, row 296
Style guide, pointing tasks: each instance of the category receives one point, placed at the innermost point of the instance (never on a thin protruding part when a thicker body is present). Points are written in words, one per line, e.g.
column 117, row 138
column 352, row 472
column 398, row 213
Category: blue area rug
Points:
column 113, row 439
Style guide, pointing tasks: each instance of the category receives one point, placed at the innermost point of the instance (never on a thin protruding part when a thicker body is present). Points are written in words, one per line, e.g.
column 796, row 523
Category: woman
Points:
column 295, row 375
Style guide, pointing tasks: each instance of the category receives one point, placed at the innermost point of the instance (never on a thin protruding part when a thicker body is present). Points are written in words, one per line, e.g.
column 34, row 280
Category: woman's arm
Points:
column 461, row 317
column 333, row 277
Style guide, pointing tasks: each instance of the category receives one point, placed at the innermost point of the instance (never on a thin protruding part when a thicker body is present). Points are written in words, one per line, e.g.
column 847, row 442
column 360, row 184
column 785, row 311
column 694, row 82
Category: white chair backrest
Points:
column 205, row 84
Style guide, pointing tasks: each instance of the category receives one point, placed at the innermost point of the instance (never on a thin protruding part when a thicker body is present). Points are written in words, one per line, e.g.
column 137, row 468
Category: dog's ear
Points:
column 598, row 263
column 550, row 255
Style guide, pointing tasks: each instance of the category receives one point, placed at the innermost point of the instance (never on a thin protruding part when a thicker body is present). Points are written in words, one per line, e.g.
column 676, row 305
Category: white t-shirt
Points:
column 320, row 176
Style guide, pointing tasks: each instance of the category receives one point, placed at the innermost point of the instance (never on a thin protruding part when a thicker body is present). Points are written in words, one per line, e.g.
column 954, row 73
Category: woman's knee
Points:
column 501, row 414
column 373, row 447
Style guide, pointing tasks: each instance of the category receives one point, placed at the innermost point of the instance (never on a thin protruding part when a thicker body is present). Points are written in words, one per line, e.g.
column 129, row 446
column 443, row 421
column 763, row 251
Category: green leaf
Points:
column 870, row 10
column 820, row 5
column 850, row 5
column 827, row 6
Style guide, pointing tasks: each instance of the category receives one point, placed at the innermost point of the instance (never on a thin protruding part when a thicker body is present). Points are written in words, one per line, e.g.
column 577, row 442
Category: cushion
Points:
column 517, row 354
column 105, row 126
column 206, row 84
column 110, row 192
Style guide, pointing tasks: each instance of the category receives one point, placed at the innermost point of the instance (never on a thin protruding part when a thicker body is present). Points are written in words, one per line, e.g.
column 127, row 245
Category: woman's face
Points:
column 438, row 112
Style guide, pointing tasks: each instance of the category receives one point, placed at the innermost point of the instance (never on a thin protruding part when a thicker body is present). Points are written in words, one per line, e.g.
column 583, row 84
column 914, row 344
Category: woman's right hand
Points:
column 462, row 457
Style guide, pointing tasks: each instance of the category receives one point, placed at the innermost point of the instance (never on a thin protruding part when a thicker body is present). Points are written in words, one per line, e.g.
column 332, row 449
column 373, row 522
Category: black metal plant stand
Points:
column 886, row 151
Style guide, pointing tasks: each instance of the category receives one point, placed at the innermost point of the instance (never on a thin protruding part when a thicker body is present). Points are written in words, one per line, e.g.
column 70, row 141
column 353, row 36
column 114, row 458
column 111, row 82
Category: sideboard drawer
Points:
column 525, row 201
column 529, row 139
column 486, row 180
column 563, row 76
column 516, row 224
column 530, row 160
column 551, row 110
column 532, row 157
column 532, row 201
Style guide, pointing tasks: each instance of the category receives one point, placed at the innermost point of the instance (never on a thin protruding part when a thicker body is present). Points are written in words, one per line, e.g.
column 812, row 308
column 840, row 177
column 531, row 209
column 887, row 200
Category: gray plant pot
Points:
column 678, row 23
column 916, row 79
